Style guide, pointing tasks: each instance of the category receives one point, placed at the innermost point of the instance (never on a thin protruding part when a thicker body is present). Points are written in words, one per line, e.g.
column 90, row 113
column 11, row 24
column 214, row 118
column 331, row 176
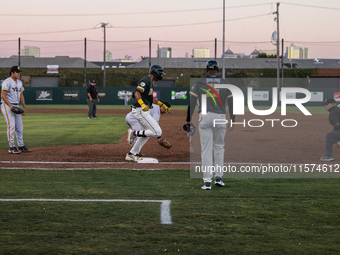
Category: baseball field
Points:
column 75, row 194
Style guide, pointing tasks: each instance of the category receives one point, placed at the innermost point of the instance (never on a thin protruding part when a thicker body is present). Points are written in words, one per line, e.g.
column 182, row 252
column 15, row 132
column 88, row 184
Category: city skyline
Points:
column 182, row 26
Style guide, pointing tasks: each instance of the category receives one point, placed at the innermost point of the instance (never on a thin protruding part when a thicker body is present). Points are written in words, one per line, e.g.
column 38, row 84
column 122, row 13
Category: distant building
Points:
column 268, row 52
column 108, row 56
column 229, row 54
column 294, row 51
column 165, row 52
column 30, row 51
column 254, row 54
column 201, row 53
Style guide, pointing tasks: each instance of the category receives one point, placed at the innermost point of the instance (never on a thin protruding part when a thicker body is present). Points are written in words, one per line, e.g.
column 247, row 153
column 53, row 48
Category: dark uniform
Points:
column 92, row 104
column 147, row 96
column 333, row 136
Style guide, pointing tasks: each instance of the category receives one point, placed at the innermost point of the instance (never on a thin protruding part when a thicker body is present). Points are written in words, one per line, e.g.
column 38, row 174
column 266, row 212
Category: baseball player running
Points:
column 156, row 111
column 143, row 96
column 211, row 137
column 11, row 95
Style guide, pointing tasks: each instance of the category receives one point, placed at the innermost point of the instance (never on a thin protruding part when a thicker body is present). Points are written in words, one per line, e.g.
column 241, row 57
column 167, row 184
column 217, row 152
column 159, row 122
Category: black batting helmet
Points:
column 212, row 65
column 157, row 71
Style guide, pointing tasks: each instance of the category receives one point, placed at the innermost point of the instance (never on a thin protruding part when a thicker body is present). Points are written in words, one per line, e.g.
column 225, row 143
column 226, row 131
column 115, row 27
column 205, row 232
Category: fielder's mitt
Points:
column 17, row 110
column 190, row 128
column 337, row 145
column 164, row 143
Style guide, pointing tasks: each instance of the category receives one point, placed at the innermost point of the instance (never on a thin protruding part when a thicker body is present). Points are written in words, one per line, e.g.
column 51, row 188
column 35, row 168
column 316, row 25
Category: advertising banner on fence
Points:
column 179, row 95
column 316, row 97
column 260, row 95
column 44, row 95
column 71, row 94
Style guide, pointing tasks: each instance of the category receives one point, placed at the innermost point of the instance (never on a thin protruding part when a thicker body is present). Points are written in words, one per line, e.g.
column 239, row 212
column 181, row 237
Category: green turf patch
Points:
column 42, row 130
column 248, row 216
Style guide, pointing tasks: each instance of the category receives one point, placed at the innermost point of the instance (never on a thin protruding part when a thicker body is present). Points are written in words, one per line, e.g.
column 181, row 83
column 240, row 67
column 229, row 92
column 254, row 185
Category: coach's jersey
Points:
column 146, row 86
column 14, row 89
column 216, row 98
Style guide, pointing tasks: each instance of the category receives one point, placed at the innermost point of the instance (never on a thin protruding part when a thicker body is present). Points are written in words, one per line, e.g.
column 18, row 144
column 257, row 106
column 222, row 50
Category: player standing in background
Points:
column 11, row 95
column 92, row 98
column 126, row 98
column 211, row 138
column 333, row 136
column 143, row 96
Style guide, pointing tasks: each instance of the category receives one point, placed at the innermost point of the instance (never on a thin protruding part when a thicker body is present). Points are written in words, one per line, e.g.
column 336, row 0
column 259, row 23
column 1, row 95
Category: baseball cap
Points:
column 15, row 69
column 92, row 81
column 329, row 101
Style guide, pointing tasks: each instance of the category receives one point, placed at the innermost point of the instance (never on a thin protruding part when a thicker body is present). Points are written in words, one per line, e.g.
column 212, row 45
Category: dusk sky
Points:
column 59, row 27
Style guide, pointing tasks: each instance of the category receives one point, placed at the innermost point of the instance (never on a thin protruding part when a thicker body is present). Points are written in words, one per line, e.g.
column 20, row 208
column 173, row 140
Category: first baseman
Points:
column 11, row 96
column 211, row 136
column 143, row 96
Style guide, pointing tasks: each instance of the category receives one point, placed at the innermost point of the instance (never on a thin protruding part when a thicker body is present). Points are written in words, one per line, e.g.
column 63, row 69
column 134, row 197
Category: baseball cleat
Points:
column 140, row 155
column 131, row 136
column 206, row 186
column 24, row 149
column 130, row 157
column 326, row 158
column 13, row 150
column 219, row 182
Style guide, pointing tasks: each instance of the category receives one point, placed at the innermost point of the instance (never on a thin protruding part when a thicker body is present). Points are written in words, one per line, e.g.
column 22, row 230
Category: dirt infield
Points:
column 301, row 144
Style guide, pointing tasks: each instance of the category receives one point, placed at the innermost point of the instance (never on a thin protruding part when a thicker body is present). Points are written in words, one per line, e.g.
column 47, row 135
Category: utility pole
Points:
column 282, row 49
column 149, row 52
column 19, row 56
column 215, row 48
column 223, row 68
column 84, row 85
column 104, row 26
column 278, row 46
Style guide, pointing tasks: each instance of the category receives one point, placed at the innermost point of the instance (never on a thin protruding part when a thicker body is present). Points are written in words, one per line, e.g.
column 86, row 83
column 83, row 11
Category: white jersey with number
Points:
column 14, row 89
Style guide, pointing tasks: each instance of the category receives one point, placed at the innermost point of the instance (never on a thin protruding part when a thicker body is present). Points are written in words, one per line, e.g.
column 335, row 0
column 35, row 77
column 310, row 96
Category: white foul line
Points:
column 165, row 204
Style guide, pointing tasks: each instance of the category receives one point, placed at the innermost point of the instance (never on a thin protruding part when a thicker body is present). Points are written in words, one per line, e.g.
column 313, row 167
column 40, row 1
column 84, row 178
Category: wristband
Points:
column 140, row 101
column 159, row 103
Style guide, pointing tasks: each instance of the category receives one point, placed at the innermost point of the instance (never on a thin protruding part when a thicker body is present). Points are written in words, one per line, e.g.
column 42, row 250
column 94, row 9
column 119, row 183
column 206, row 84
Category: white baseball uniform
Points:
column 148, row 125
column 14, row 121
column 126, row 98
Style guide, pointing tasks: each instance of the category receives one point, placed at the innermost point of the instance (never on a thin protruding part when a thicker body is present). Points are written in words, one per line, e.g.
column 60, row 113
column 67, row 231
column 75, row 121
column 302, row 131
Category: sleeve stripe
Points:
column 141, row 88
column 193, row 94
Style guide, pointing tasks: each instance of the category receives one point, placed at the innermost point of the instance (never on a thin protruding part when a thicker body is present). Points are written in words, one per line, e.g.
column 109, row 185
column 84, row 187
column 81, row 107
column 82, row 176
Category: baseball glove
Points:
column 190, row 128
column 337, row 145
column 17, row 110
column 164, row 143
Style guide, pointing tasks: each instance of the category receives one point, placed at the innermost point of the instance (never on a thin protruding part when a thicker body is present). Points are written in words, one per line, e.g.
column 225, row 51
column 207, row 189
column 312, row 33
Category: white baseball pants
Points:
column 212, row 141
column 14, row 125
column 148, row 126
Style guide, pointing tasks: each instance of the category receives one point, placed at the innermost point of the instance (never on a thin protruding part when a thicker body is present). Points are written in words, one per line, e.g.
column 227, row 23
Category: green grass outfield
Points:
column 248, row 216
column 45, row 130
